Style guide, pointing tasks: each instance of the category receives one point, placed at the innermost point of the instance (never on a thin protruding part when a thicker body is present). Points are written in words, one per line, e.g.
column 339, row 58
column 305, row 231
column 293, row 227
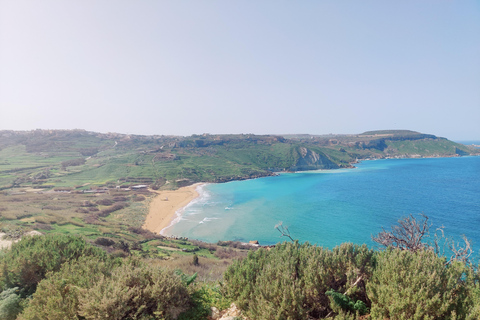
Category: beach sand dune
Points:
column 163, row 207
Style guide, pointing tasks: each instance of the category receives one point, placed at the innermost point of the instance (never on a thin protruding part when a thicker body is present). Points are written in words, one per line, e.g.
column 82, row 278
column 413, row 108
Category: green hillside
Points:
column 73, row 158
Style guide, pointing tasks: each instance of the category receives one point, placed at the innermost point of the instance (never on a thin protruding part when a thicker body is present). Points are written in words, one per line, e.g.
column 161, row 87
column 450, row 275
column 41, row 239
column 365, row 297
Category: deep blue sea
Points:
column 328, row 207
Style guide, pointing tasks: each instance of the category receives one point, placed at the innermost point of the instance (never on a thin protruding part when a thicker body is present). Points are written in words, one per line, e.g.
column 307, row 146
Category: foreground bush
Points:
column 135, row 292
column 291, row 280
column 407, row 285
column 294, row 281
column 27, row 262
column 93, row 289
column 474, row 296
column 9, row 304
column 57, row 296
column 203, row 297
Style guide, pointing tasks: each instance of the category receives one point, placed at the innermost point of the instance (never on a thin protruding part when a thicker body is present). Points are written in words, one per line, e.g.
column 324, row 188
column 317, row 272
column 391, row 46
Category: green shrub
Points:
column 185, row 278
column 73, row 162
column 9, row 304
column 27, row 262
column 474, row 299
column 117, row 206
column 57, row 295
column 291, row 280
column 419, row 285
column 195, row 260
column 346, row 316
column 106, row 242
column 135, row 292
column 203, row 297
column 345, row 303
column 93, row 289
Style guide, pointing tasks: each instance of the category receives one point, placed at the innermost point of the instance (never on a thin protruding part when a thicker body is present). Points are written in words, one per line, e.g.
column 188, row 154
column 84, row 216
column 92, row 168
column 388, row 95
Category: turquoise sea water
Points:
column 334, row 206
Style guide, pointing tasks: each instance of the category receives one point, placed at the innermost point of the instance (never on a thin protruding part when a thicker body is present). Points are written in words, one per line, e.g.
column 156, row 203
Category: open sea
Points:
column 329, row 207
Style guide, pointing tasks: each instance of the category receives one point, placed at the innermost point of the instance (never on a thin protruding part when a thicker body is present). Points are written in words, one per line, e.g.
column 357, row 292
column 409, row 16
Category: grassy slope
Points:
column 35, row 159
column 426, row 147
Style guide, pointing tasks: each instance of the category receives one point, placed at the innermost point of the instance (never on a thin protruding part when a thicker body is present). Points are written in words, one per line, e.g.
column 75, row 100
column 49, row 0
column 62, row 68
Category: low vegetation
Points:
column 59, row 276
column 90, row 288
column 291, row 280
column 301, row 281
column 410, row 279
column 64, row 277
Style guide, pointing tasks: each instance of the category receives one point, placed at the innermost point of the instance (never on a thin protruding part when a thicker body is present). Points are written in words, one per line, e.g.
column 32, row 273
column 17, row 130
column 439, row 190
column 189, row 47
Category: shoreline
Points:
column 164, row 206
column 162, row 213
column 209, row 236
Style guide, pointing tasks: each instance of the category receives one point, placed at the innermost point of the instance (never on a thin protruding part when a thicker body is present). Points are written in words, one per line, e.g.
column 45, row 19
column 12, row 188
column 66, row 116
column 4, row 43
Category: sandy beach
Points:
column 164, row 206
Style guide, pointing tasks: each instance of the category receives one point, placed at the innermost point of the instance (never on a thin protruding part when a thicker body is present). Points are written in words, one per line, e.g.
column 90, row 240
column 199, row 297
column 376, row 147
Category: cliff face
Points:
column 311, row 160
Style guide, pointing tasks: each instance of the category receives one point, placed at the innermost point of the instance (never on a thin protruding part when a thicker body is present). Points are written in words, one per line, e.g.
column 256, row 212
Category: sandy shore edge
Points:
column 163, row 207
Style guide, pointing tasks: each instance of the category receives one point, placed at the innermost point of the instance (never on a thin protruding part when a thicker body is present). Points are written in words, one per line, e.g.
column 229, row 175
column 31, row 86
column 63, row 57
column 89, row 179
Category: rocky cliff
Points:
column 311, row 160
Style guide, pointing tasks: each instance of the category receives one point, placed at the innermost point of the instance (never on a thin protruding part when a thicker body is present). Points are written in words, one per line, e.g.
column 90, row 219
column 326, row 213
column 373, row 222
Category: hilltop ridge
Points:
column 74, row 158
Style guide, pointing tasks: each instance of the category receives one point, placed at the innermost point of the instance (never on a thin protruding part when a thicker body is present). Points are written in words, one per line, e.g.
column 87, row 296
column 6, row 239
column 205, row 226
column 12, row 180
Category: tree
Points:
column 407, row 235
column 283, row 230
column 412, row 234
column 195, row 260
column 458, row 251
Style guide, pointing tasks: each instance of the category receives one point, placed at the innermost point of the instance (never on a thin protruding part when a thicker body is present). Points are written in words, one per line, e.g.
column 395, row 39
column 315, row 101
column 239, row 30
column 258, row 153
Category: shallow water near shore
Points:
column 330, row 207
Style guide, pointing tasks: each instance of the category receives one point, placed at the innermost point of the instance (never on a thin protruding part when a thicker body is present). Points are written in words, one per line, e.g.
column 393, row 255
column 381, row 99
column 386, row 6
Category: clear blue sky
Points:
column 183, row 67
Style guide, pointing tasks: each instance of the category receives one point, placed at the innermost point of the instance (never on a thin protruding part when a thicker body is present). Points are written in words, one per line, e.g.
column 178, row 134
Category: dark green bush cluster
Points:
column 291, row 280
column 89, row 289
column 345, row 303
column 73, row 162
column 64, row 277
column 420, row 285
column 301, row 281
column 115, row 207
column 29, row 260
column 10, row 302
column 203, row 297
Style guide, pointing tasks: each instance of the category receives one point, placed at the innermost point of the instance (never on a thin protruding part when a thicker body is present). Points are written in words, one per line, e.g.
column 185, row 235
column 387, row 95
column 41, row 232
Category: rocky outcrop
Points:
column 7, row 243
column 311, row 160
